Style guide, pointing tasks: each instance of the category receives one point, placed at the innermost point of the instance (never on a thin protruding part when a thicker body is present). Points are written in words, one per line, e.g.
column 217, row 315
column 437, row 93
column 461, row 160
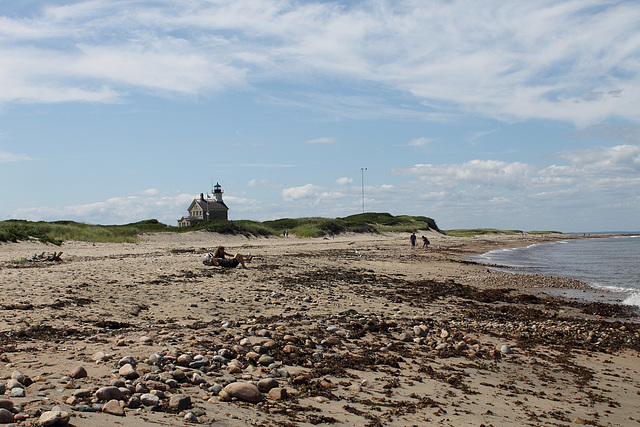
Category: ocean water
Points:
column 605, row 263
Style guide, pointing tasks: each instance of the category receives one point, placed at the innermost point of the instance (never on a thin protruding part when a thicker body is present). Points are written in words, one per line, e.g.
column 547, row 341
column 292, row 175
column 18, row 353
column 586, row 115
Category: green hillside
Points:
column 57, row 232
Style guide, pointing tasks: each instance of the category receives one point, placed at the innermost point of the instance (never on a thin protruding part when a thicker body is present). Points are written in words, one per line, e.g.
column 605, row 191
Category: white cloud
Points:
column 308, row 192
column 482, row 192
column 149, row 192
column 419, row 142
column 6, row 157
column 257, row 182
column 619, row 160
column 567, row 60
column 324, row 140
column 344, row 181
column 115, row 210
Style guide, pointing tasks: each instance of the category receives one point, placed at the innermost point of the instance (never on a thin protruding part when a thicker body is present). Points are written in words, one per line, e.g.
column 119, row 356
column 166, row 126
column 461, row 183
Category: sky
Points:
column 495, row 114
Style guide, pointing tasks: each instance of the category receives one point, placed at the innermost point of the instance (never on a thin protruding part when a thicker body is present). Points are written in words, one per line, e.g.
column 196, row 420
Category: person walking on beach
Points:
column 425, row 242
column 412, row 239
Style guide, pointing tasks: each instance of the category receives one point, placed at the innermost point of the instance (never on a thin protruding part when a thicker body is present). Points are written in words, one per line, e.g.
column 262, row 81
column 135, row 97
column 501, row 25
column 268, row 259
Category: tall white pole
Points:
column 362, row 180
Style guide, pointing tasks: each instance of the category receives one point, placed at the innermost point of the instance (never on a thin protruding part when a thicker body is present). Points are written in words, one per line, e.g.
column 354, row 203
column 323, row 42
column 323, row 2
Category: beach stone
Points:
column 127, row 360
column 146, row 340
column 3, row 388
column 442, row 346
column 215, row 388
column 224, row 396
column 78, row 372
column 158, row 393
column 133, row 402
column 179, row 375
column 113, row 407
column 184, row 360
column 270, row 344
column 190, row 417
column 180, row 402
column 149, row 399
column 505, row 349
column 196, row 379
column 289, row 348
column 278, row 393
column 6, row 416
column 265, row 360
column 128, row 371
column 6, row 404
column 418, row 331
column 245, row 391
column 82, row 393
column 22, row 378
column 226, row 353
column 156, row 359
column 260, row 349
column 252, row 355
column 404, row 337
column 99, row 356
column 50, row 418
column 117, row 382
column 219, row 358
column 126, row 392
column 141, row 388
column 266, row 384
column 17, row 392
column 14, row 383
column 157, row 385
column 108, row 393
column 234, row 369
column 264, row 333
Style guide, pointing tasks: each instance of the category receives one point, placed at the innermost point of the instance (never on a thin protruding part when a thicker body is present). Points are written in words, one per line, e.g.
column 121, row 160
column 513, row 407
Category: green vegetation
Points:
column 485, row 231
column 58, row 231
column 544, row 232
column 360, row 223
column 479, row 232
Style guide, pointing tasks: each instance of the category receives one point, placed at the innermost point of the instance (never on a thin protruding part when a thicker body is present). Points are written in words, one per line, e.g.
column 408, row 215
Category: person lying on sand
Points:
column 219, row 259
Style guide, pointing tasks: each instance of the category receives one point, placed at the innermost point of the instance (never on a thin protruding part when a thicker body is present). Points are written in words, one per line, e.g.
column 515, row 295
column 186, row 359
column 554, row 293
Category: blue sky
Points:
column 505, row 114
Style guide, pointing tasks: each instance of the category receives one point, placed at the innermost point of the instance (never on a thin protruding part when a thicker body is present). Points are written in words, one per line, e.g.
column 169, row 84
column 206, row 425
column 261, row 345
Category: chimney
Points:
column 202, row 196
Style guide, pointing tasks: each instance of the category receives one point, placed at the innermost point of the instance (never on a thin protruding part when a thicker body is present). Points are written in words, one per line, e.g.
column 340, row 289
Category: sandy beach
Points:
column 353, row 330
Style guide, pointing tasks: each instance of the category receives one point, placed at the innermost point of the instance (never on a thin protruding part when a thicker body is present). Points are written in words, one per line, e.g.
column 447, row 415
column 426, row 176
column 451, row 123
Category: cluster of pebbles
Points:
column 499, row 279
column 271, row 365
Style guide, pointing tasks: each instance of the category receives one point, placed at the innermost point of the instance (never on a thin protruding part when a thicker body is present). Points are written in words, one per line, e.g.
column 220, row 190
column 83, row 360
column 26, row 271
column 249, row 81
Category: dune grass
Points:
column 58, row 231
column 470, row 232
column 480, row 232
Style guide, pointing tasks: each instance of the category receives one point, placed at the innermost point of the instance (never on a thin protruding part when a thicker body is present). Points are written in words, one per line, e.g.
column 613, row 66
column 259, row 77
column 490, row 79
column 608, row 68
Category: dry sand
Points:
column 368, row 330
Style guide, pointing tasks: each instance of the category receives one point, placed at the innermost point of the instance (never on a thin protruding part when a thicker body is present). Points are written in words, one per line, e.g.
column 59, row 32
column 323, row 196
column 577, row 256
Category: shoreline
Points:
column 564, row 286
column 357, row 329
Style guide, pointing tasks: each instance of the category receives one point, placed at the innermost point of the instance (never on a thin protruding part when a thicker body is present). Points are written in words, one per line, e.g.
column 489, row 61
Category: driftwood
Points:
column 55, row 257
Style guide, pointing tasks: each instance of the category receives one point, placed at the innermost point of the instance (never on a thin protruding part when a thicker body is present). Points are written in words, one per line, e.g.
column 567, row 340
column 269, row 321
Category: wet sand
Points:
column 358, row 330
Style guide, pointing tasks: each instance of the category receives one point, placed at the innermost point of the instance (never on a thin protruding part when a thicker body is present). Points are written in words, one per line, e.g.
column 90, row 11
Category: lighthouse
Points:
column 217, row 193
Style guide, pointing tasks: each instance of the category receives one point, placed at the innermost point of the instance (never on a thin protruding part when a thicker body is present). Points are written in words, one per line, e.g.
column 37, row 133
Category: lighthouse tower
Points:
column 217, row 193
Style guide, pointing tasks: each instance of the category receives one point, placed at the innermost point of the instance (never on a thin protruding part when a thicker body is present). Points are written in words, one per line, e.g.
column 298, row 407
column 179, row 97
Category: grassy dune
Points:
column 58, row 231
